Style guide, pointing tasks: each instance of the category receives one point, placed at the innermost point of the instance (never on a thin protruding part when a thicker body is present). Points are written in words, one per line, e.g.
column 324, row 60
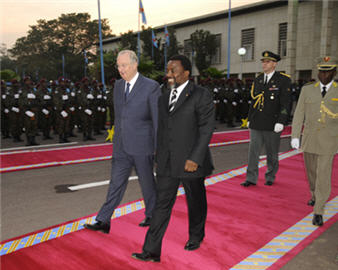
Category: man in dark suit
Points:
column 268, row 114
column 186, row 123
column 136, row 117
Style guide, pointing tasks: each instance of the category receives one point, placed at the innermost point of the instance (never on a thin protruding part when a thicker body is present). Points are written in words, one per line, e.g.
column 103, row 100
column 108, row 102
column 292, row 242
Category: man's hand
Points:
column 190, row 166
column 278, row 127
column 295, row 143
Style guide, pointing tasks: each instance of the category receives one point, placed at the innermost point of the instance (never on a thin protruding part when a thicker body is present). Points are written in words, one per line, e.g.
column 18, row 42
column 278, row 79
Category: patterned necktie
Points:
column 324, row 91
column 173, row 100
column 126, row 93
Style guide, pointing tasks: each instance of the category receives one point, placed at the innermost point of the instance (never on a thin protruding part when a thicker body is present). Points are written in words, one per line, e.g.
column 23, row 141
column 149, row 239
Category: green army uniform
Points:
column 15, row 115
column 5, row 109
column 87, row 103
column 61, row 103
column 47, row 110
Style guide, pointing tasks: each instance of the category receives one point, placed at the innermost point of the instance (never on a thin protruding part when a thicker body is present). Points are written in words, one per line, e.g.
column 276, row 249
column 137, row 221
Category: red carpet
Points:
column 240, row 222
column 31, row 159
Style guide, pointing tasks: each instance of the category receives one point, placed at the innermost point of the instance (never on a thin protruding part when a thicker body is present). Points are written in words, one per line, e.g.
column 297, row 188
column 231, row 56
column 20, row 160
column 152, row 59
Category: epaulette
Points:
column 287, row 75
column 308, row 83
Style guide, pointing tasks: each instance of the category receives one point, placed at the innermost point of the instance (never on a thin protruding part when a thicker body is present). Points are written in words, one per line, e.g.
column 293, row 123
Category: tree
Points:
column 129, row 41
column 204, row 46
column 42, row 49
column 5, row 60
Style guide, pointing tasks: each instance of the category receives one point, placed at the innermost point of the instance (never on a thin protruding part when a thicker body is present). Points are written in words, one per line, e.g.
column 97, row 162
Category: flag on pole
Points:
column 141, row 10
column 154, row 39
column 166, row 36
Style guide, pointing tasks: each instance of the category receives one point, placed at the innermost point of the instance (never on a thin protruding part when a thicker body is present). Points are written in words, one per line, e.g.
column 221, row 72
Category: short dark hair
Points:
column 185, row 62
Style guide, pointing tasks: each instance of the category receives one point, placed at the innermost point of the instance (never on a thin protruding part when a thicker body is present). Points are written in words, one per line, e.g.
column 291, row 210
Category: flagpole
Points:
column 229, row 38
column 138, row 33
column 63, row 65
column 101, row 50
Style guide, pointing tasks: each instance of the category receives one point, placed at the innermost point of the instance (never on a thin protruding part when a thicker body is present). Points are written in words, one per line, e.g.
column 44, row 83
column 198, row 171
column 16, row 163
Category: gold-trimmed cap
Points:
column 327, row 63
column 270, row 56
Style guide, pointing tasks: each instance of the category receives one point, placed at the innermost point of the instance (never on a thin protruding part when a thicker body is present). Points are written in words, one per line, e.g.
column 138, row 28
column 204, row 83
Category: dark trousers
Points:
column 121, row 169
column 166, row 195
column 271, row 140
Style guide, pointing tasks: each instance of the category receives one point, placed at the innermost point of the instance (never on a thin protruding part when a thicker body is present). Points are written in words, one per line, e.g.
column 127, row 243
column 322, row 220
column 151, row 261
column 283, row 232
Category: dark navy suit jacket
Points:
column 136, row 117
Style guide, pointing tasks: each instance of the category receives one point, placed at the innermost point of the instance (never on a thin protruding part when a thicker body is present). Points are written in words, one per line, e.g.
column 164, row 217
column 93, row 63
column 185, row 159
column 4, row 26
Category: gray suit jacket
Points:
column 136, row 118
column 185, row 133
column 320, row 118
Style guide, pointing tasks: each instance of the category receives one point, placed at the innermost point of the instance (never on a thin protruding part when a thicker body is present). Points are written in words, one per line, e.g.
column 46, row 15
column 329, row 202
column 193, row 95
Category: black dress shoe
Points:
column 246, row 184
column 98, row 226
column 192, row 245
column 311, row 202
column 145, row 222
column 268, row 183
column 317, row 220
column 146, row 257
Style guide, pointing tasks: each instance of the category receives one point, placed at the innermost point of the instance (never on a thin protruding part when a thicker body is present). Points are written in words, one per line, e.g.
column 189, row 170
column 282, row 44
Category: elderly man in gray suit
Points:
column 136, row 116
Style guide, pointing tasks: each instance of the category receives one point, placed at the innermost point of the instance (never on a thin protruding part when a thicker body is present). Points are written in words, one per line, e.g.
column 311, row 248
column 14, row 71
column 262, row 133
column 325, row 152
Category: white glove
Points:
column 46, row 112
column 215, row 90
column 80, row 108
column 90, row 96
column 103, row 109
column 104, row 97
column 64, row 97
column 16, row 96
column 64, row 114
column 99, row 97
column 29, row 113
column 87, row 111
column 3, row 96
column 46, row 97
column 72, row 94
column 234, row 103
column 99, row 109
column 6, row 110
column 248, row 124
column 225, row 101
column 72, row 109
column 215, row 101
column 295, row 143
column 236, row 91
column 15, row 109
column 31, row 96
column 278, row 127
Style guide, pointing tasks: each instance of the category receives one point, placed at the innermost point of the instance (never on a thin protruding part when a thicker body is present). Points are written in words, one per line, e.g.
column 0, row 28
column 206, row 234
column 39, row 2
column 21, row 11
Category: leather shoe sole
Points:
column 268, row 183
column 145, row 222
column 192, row 245
column 317, row 220
column 246, row 184
column 146, row 257
column 97, row 227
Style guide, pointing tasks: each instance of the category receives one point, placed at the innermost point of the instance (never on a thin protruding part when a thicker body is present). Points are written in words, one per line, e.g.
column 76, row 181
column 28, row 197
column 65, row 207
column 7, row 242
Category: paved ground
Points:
column 35, row 199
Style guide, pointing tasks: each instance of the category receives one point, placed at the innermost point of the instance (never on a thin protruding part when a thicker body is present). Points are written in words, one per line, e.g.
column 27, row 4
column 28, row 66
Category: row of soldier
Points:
column 61, row 106
column 232, row 98
column 57, row 106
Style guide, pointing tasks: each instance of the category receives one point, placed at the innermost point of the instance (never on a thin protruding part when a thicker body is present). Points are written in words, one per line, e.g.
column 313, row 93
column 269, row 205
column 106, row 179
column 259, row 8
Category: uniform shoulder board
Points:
column 308, row 83
column 284, row 74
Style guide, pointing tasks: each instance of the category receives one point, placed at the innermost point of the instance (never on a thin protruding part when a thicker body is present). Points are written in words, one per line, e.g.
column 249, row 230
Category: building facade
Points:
column 300, row 31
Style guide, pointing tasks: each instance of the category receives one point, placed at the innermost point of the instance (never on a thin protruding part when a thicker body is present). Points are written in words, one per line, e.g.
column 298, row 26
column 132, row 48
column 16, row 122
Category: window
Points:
column 217, row 57
column 283, row 28
column 248, row 42
column 188, row 49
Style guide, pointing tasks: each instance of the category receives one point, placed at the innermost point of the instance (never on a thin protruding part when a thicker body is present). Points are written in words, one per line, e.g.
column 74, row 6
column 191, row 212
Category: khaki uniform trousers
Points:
column 319, row 172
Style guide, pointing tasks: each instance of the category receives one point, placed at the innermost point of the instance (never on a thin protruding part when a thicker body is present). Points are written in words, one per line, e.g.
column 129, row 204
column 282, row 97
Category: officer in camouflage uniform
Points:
column 15, row 115
column 229, row 102
column 61, row 102
column 73, row 105
column 110, row 101
column 97, row 107
column 87, row 103
column 5, row 109
column 78, row 108
column 103, row 104
column 30, row 106
column 47, row 109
